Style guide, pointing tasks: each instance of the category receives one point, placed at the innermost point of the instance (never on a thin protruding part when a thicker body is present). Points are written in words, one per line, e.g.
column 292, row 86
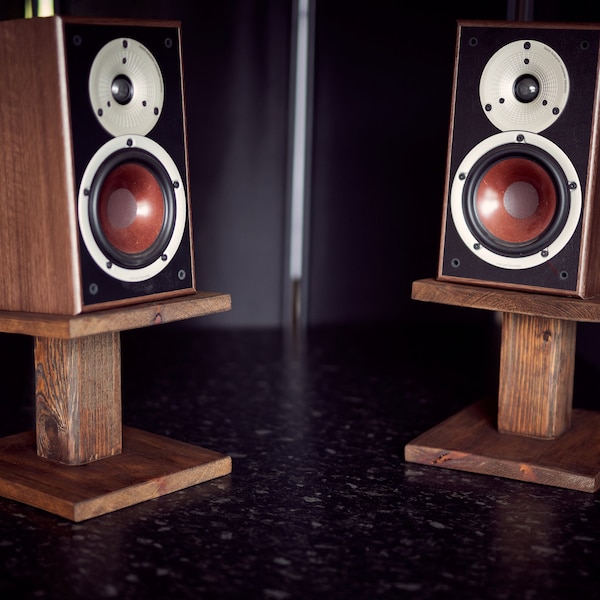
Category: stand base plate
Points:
column 469, row 441
column 149, row 466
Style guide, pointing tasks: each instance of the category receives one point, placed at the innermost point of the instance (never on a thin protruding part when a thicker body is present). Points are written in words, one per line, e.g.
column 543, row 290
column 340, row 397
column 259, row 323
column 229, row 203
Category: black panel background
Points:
column 88, row 136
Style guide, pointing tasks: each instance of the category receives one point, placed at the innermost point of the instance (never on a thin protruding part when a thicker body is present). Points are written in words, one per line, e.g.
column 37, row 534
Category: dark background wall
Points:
column 381, row 112
column 381, row 102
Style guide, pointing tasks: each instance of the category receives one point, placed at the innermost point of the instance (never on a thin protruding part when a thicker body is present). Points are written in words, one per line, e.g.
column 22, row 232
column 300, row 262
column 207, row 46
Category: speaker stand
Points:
column 533, row 434
column 81, row 462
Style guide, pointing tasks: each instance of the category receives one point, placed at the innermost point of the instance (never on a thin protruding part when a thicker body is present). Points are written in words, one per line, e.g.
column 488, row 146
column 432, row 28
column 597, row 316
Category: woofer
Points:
column 132, row 208
column 516, row 200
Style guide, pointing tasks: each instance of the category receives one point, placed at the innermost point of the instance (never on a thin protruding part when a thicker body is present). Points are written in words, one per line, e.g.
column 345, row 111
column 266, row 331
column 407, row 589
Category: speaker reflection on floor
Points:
column 519, row 209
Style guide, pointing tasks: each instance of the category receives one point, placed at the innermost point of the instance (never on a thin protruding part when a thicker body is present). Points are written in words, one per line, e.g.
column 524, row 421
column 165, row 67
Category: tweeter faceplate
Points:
column 530, row 66
column 126, row 88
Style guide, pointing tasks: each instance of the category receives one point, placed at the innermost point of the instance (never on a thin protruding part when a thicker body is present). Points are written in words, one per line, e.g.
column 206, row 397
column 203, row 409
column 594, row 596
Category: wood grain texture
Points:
column 469, row 441
column 136, row 316
column 78, row 398
column 38, row 243
column 537, row 365
column 588, row 278
column 150, row 466
column 501, row 300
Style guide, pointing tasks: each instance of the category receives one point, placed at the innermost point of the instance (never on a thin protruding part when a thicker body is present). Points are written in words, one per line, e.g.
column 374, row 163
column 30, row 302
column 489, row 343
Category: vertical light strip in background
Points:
column 519, row 10
column 45, row 8
column 302, row 73
column 39, row 8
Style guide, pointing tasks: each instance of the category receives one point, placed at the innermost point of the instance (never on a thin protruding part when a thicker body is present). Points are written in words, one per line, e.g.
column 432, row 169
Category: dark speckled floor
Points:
column 320, row 503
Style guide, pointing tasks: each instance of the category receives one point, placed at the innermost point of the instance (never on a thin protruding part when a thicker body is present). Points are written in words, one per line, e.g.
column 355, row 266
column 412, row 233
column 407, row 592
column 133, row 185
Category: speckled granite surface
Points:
column 320, row 503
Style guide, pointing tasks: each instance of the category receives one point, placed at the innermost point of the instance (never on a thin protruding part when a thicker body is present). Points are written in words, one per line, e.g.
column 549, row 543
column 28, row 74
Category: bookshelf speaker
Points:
column 94, row 199
column 521, row 205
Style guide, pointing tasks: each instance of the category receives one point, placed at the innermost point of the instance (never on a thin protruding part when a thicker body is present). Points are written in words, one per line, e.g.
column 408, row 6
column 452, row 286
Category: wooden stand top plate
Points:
column 115, row 319
column 507, row 301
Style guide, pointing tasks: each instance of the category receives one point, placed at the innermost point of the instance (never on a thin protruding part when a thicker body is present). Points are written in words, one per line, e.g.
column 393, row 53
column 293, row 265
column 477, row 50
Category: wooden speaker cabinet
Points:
column 522, row 209
column 94, row 201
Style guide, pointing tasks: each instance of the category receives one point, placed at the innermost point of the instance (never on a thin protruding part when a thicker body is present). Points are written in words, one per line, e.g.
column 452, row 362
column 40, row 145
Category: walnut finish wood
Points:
column 78, row 376
column 37, row 239
column 469, row 441
column 149, row 466
column 536, row 375
column 78, row 398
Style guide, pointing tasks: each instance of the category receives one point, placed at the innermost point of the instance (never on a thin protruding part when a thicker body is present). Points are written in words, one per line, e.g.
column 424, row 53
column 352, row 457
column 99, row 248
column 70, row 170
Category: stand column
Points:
column 537, row 364
column 78, row 398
